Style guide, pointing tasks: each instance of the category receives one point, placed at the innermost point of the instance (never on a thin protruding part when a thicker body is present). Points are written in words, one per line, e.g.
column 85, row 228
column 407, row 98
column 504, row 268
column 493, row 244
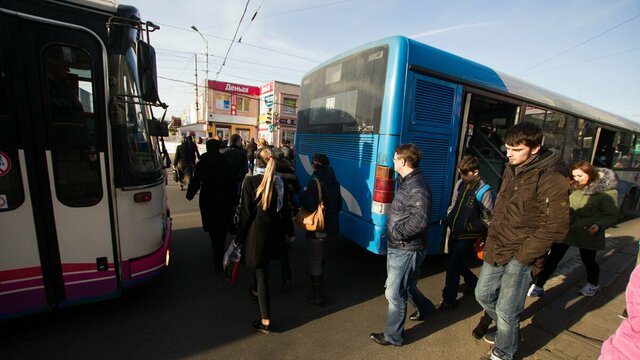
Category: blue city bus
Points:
column 359, row 106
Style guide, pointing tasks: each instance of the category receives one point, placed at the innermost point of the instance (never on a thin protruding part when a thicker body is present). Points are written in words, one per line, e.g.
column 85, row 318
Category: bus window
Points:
column 74, row 146
column 581, row 144
column 624, row 149
column 11, row 191
column 553, row 125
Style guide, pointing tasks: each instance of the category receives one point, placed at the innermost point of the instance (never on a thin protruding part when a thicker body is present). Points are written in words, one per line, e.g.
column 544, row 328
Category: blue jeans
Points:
column 403, row 271
column 501, row 291
column 457, row 266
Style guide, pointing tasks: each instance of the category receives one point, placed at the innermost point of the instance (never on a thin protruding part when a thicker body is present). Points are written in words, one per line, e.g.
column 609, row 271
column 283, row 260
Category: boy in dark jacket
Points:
column 467, row 217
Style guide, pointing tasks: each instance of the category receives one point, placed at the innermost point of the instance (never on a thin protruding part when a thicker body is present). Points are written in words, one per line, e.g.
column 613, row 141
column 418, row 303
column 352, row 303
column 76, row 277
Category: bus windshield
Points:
column 141, row 150
column 345, row 96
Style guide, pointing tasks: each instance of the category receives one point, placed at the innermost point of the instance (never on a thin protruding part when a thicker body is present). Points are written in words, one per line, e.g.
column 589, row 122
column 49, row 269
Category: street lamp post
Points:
column 206, row 90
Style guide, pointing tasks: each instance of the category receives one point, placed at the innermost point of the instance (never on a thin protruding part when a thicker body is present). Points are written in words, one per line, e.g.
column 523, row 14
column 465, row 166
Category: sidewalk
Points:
column 565, row 325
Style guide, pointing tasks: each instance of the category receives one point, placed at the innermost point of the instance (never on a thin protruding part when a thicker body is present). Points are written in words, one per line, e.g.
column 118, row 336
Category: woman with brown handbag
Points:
column 309, row 200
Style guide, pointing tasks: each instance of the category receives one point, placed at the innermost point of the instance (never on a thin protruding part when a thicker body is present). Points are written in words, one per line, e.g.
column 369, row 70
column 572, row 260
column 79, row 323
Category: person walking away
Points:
column 287, row 152
column 530, row 214
column 286, row 172
column 265, row 220
column 309, row 200
column 594, row 208
column 184, row 160
column 406, row 245
column 237, row 158
column 251, row 149
column 625, row 342
column 212, row 177
column 468, row 218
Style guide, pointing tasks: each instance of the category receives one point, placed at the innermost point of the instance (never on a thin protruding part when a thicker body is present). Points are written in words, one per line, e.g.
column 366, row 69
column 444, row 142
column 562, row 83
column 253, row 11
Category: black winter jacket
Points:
column 409, row 213
column 330, row 196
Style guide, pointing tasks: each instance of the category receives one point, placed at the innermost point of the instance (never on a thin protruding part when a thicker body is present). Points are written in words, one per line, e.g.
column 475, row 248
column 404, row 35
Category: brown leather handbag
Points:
column 312, row 221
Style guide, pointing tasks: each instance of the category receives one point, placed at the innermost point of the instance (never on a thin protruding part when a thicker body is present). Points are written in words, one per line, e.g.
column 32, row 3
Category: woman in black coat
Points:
column 309, row 199
column 265, row 220
column 213, row 178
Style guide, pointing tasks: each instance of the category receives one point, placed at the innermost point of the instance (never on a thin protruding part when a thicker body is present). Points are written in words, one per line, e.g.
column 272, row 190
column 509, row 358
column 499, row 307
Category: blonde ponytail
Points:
column 265, row 189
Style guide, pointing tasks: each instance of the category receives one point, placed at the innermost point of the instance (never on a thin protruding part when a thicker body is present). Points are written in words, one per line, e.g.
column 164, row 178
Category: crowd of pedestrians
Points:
column 541, row 209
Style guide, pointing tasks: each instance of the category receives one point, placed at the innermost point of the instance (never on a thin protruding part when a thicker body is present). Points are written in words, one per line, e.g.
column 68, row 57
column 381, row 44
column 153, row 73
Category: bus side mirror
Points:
column 158, row 128
column 147, row 72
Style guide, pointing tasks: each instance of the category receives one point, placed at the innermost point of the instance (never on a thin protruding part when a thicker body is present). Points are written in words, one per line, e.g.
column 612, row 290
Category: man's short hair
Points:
column 410, row 154
column 468, row 164
column 525, row 133
column 235, row 139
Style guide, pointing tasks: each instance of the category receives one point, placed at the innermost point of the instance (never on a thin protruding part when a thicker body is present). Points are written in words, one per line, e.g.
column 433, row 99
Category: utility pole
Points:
column 197, row 106
column 206, row 86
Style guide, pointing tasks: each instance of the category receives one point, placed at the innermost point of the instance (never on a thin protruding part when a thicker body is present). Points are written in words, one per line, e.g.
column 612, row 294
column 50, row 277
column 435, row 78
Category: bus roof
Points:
column 104, row 5
column 453, row 67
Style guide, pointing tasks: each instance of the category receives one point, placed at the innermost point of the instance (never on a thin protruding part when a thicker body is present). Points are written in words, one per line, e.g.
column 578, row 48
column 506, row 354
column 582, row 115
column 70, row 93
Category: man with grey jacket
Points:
column 406, row 245
column 530, row 214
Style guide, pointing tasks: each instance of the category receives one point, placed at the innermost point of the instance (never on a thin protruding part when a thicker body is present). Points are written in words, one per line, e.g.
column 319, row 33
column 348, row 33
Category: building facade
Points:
column 278, row 112
column 232, row 109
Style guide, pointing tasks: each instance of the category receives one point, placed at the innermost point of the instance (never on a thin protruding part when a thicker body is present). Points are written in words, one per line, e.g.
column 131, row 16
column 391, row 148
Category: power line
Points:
column 234, row 38
column 588, row 60
column 580, row 44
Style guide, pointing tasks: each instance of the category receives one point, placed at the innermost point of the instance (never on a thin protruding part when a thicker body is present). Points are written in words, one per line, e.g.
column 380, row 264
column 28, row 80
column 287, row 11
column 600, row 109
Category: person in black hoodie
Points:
column 332, row 199
column 213, row 178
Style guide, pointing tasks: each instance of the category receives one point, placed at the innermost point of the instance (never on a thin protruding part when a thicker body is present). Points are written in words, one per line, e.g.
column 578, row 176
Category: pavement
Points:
column 566, row 325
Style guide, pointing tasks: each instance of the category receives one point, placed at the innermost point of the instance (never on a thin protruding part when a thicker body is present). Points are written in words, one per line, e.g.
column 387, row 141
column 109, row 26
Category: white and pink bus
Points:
column 83, row 209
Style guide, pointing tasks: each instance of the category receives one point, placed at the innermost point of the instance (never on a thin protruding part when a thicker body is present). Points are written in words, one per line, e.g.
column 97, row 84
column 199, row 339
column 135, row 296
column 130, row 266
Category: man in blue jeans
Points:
column 530, row 214
column 406, row 245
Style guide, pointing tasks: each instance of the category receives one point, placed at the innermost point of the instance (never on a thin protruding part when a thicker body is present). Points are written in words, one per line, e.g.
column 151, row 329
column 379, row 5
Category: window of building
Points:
column 243, row 103
column 223, row 102
column 289, row 105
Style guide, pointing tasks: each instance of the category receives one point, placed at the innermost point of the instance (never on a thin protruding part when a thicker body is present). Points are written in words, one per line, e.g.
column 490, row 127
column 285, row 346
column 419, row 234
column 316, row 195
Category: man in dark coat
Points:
column 530, row 214
column 237, row 159
column 213, row 178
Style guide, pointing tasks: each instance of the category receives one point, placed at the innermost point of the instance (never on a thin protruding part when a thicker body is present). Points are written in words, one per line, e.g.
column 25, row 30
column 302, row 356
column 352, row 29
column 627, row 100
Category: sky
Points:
column 588, row 50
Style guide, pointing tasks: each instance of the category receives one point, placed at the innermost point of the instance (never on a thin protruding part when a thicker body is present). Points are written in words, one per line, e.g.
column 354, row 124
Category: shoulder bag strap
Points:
column 319, row 190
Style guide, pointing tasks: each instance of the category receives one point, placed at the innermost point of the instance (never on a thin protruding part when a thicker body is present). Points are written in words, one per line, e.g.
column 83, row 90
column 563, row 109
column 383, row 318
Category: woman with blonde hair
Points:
column 265, row 220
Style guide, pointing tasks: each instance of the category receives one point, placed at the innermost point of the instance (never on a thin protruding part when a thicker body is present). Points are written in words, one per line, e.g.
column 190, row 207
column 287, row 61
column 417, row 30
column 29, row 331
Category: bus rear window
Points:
column 345, row 96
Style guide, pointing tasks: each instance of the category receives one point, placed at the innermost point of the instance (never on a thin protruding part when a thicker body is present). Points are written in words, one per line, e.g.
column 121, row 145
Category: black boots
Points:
column 316, row 297
column 482, row 327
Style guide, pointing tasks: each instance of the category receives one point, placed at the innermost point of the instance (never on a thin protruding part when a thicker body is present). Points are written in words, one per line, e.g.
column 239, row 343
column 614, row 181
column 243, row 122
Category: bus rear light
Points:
column 385, row 185
column 142, row 197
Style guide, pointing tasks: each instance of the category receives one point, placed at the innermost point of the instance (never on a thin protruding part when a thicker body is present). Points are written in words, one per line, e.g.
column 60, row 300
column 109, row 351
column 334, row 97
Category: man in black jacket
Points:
column 237, row 158
column 406, row 245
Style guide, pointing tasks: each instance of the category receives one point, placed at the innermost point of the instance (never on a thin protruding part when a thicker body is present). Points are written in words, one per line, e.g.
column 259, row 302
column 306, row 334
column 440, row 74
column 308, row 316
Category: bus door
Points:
column 434, row 123
column 57, row 243
column 485, row 120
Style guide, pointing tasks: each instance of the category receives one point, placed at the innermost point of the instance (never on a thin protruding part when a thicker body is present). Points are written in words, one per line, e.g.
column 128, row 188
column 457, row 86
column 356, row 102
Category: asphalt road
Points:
column 192, row 313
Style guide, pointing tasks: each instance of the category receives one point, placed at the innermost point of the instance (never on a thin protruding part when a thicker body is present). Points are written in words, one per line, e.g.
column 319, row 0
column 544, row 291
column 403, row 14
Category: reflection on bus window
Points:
column 74, row 140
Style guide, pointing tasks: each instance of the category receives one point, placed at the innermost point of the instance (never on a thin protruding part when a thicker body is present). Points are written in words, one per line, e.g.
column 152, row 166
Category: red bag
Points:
column 479, row 245
column 231, row 262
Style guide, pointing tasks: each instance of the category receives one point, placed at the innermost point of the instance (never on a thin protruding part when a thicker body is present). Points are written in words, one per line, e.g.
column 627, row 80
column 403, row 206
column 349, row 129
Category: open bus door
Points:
column 57, row 243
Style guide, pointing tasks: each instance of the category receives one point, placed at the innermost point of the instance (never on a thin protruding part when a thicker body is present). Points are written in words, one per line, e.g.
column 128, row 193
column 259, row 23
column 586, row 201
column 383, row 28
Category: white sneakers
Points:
column 535, row 291
column 589, row 289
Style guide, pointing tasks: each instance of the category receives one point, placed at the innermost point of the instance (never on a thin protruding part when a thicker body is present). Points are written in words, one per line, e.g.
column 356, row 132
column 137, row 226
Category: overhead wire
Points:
column 234, row 38
column 580, row 44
